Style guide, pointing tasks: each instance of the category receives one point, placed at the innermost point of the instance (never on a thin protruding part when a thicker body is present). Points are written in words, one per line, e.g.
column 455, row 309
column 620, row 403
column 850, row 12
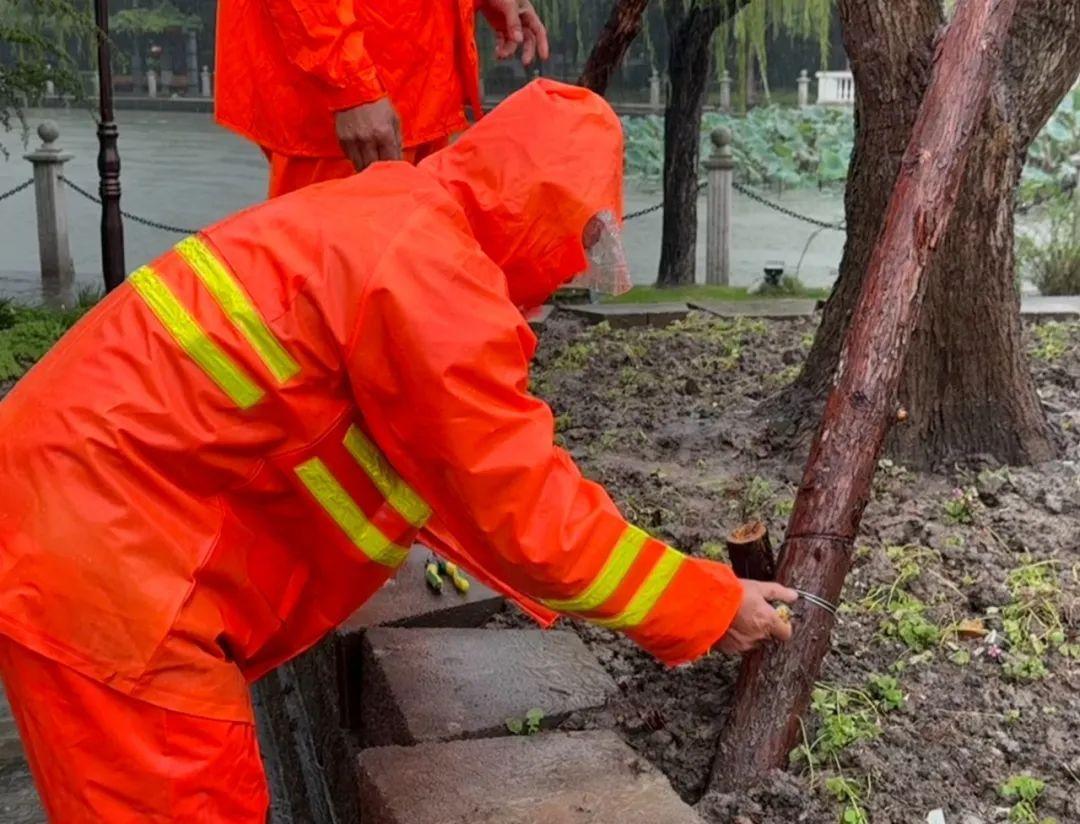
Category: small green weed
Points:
column 1032, row 621
column 529, row 725
column 1052, row 340
column 1024, row 792
column 961, row 506
column 886, row 689
column 27, row 333
column 852, row 794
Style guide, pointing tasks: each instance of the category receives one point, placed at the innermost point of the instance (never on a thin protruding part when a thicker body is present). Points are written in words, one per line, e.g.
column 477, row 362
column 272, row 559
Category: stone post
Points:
column 1075, row 160
column 654, row 90
column 192, row 63
column 205, row 82
column 720, row 167
column 725, row 92
column 151, row 83
column 50, row 87
column 804, row 89
column 57, row 269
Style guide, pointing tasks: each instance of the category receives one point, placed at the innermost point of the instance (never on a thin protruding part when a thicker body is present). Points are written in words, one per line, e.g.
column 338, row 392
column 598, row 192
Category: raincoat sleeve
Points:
column 439, row 366
column 323, row 39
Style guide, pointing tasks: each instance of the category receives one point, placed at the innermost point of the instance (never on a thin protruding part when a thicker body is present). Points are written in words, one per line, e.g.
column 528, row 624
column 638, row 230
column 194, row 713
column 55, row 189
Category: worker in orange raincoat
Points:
column 238, row 446
column 326, row 87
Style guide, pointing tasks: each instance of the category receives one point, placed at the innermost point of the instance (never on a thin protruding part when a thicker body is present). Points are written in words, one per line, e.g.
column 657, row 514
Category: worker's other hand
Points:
column 516, row 23
column 758, row 620
column 369, row 132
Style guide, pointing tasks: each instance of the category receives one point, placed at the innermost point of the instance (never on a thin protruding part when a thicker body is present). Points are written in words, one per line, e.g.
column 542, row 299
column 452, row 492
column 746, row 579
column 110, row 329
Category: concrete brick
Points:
column 767, row 308
column 1062, row 308
column 555, row 778
column 626, row 315
column 407, row 601
column 538, row 317
column 441, row 684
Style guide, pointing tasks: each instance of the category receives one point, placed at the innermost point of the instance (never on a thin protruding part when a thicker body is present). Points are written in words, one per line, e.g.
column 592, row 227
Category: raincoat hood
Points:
column 530, row 175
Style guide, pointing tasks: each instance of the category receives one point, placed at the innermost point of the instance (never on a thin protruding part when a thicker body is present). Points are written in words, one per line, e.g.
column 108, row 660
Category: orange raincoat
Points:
column 285, row 66
column 236, row 448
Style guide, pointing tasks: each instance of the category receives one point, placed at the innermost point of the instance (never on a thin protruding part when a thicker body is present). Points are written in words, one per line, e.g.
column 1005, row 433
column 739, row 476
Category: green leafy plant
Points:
column 852, row 794
column 961, row 505
column 1052, row 340
column 1052, row 261
column 1032, row 622
column 27, row 333
column 1024, row 791
column 529, row 725
column 886, row 689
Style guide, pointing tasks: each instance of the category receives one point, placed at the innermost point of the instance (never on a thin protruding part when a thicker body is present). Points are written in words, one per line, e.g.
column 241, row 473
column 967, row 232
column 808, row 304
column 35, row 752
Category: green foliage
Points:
column 886, row 689
column 852, row 794
column 529, row 725
column 43, row 36
column 960, row 507
column 1052, row 262
column 1052, row 340
column 790, row 147
column 906, row 621
column 1033, row 622
column 157, row 20
column 1049, row 170
column 1024, row 791
column 775, row 145
column 27, row 333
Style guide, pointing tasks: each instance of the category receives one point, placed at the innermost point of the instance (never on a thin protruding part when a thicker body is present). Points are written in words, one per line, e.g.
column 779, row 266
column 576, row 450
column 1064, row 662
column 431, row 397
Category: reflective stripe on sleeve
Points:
column 614, row 571
column 648, row 593
column 192, row 338
column 340, row 506
column 237, row 306
column 399, row 494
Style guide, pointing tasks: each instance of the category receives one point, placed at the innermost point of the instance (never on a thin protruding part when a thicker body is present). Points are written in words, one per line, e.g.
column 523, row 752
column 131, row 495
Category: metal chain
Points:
column 750, row 193
column 17, row 189
column 153, row 224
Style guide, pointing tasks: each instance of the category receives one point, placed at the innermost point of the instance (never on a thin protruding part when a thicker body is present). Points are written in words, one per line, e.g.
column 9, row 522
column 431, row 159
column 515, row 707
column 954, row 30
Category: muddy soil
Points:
column 963, row 606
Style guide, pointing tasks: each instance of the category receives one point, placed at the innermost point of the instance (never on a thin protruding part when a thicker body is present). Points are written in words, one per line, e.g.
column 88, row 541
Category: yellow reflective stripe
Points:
column 187, row 332
column 648, row 594
column 340, row 506
column 614, row 571
column 237, row 306
column 399, row 494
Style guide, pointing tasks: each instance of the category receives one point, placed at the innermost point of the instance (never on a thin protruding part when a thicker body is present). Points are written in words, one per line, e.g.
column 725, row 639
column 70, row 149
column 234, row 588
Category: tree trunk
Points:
column 690, row 24
column 967, row 394
column 622, row 27
column 774, row 686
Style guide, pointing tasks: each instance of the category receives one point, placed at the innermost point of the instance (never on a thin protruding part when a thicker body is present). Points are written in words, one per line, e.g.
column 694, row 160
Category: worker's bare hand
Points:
column 369, row 132
column 516, row 23
column 757, row 620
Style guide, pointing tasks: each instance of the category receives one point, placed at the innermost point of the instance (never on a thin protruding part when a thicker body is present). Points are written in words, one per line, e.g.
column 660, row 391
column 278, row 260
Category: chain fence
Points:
column 750, row 193
column 153, row 224
column 26, row 184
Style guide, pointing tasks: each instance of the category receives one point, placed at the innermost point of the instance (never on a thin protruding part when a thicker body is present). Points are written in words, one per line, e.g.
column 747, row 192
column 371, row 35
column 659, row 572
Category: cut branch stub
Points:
column 751, row 552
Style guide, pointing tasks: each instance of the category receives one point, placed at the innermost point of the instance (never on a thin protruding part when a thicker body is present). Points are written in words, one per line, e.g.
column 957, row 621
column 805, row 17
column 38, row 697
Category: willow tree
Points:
column 967, row 384
column 699, row 31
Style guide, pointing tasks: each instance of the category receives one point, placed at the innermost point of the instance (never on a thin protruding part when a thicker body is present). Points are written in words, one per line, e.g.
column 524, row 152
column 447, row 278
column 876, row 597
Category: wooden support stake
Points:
column 751, row 552
column 775, row 683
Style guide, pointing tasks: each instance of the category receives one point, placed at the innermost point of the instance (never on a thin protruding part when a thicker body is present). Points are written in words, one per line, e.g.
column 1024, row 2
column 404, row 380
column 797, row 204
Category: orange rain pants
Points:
column 290, row 172
column 98, row 755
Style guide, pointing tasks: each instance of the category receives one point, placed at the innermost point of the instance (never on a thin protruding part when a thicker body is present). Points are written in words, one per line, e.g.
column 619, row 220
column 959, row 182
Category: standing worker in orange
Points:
column 327, row 87
column 239, row 446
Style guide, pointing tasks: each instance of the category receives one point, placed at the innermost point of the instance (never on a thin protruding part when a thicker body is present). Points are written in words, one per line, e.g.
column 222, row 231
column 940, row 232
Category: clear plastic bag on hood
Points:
column 609, row 270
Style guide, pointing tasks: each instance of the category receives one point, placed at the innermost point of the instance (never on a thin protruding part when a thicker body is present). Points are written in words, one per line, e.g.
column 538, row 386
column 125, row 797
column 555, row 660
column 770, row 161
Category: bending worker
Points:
column 236, row 448
column 326, row 87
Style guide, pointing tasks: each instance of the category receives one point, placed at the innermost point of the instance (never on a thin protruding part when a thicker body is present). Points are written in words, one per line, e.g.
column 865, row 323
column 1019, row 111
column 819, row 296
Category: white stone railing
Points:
column 835, row 89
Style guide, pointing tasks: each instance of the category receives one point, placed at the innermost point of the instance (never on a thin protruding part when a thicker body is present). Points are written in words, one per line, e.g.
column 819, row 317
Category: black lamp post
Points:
column 112, row 227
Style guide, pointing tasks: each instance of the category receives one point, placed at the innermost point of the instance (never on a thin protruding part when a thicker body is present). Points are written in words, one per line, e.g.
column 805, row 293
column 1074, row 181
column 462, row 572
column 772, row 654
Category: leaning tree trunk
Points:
column 967, row 392
column 774, row 685
column 623, row 25
column 690, row 24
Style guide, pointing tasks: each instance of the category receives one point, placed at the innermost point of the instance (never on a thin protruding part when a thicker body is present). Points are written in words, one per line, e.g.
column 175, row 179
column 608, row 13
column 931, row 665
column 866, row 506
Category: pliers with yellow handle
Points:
column 436, row 568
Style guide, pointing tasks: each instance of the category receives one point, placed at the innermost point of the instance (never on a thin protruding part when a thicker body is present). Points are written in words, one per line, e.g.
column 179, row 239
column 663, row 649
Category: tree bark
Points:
column 690, row 24
column 774, row 686
column 967, row 394
column 622, row 27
